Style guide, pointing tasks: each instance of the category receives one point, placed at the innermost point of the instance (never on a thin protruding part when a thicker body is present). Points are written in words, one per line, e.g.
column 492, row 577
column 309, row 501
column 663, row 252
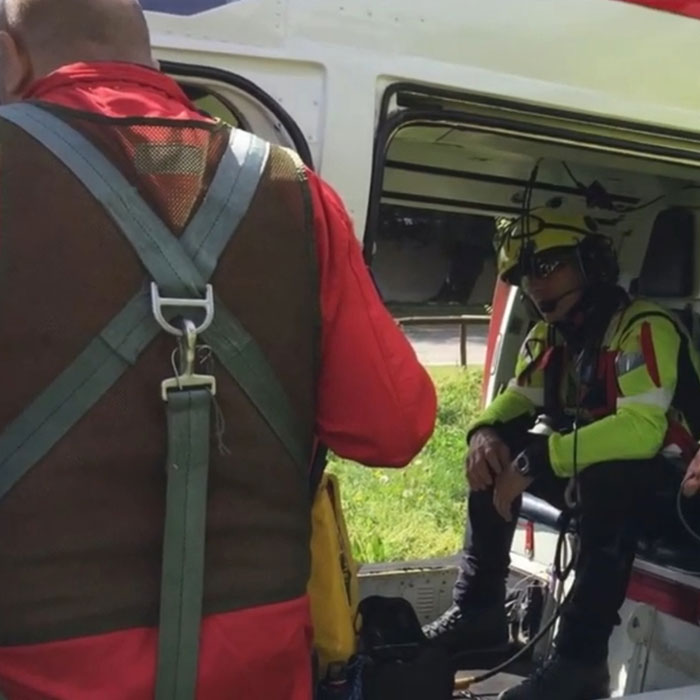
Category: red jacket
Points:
column 376, row 405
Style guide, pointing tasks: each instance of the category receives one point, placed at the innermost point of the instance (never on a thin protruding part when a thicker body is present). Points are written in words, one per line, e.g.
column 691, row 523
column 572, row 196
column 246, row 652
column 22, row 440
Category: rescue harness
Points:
column 598, row 390
column 181, row 302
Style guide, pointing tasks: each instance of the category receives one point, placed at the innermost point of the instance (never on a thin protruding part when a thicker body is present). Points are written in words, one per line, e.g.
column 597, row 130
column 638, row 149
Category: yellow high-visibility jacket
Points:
column 644, row 384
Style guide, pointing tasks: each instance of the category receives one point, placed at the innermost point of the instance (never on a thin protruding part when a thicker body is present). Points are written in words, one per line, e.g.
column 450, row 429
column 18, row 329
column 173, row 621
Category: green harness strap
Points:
column 170, row 262
column 180, row 267
column 182, row 582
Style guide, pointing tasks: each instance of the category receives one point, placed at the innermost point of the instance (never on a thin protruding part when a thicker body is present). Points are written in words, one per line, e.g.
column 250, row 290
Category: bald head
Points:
column 50, row 33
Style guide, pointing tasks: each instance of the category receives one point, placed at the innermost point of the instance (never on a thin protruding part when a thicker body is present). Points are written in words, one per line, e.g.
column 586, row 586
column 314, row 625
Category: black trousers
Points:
column 616, row 500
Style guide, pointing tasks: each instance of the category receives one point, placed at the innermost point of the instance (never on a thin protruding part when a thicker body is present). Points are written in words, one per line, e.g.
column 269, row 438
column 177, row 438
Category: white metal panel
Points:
column 674, row 656
column 577, row 55
column 689, row 693
column 427, row 585
column 584, row 53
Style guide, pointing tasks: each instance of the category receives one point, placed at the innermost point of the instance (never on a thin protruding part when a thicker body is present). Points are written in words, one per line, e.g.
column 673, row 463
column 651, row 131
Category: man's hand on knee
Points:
column 488, row 456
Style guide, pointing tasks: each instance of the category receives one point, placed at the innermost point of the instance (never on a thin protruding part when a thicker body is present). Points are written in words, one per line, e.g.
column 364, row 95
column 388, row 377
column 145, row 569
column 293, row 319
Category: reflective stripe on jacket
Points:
column 637, row 409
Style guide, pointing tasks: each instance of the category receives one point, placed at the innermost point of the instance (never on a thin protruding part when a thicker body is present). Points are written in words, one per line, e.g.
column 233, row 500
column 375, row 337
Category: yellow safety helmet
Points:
column 544, row 234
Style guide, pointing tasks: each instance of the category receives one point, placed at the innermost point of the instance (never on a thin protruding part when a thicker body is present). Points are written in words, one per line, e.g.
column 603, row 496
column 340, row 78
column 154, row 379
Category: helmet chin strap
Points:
column 549, row 305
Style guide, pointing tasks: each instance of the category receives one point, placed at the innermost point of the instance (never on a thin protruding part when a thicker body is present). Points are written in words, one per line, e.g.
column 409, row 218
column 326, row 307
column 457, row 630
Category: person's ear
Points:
column 15, row 68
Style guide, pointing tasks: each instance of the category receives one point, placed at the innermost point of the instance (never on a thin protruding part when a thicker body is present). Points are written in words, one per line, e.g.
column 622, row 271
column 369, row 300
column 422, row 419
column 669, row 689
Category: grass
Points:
column 417, row 512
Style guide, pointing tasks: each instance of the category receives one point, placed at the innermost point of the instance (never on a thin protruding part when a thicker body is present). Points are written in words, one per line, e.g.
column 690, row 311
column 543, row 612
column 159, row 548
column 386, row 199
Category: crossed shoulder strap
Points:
column 180, row 270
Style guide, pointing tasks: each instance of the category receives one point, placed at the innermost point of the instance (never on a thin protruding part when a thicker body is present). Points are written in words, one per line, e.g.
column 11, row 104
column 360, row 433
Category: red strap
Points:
column 539, row 363
column 545, row 358
column 605, row 374
column 611, row 390
column 676, row 434
column 648, row 353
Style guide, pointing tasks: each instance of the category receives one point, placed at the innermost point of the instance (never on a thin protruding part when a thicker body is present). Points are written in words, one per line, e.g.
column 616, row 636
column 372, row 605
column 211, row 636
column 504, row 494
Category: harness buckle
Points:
column 185, row 377
column 158, row 303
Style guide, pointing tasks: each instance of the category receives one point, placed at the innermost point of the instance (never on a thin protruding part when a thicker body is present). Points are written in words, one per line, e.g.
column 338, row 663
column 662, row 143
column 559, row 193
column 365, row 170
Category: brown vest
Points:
column 81, row 533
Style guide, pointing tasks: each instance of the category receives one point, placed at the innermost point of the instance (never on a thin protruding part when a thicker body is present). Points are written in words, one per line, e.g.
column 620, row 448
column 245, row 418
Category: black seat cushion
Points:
column 667, row 270
column 665, row 541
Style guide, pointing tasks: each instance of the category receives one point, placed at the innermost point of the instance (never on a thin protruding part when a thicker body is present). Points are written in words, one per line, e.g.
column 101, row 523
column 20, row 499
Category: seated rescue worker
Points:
column 155, row 544
column 614, row 382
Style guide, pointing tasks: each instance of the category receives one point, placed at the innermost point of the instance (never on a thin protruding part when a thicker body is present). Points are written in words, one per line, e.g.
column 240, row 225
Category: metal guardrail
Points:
column 464, row 321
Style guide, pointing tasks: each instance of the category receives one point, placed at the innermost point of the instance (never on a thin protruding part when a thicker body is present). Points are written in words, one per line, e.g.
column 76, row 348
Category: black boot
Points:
column 469, row 629
column 563, row 679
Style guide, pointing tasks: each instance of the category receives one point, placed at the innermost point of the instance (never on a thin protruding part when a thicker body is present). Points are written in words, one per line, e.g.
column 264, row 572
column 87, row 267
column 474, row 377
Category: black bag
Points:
column 394, row 659
column 399, row 663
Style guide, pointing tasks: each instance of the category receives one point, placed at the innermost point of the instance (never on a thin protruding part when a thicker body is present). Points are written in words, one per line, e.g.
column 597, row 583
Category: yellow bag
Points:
column 332, row 588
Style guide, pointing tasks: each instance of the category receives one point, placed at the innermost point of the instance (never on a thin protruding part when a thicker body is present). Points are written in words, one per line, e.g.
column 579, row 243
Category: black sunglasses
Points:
column 543, row 266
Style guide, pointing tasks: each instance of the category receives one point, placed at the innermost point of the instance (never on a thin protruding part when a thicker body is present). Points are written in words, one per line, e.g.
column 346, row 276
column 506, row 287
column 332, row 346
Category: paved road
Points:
column 439, row 345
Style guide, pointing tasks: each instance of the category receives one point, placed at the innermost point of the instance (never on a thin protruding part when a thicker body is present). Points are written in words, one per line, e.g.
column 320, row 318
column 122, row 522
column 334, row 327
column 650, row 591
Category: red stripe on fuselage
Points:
column 689, row 8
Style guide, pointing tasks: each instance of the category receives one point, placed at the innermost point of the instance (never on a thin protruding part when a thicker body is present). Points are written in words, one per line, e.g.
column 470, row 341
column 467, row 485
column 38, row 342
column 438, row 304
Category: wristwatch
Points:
column 523, row 465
